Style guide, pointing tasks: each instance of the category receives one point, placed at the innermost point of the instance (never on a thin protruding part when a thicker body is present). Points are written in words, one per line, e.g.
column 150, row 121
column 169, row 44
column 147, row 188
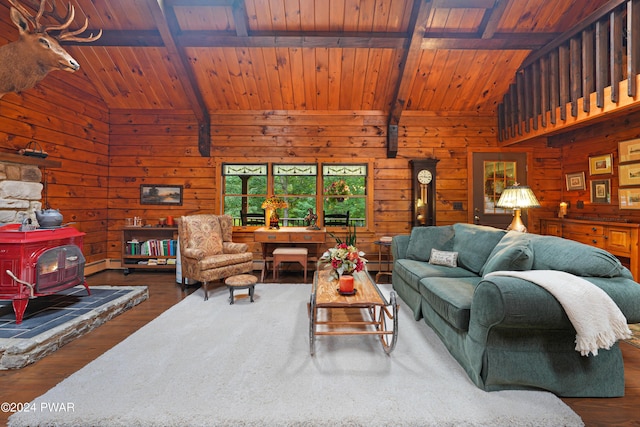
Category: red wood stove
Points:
column 39, row 262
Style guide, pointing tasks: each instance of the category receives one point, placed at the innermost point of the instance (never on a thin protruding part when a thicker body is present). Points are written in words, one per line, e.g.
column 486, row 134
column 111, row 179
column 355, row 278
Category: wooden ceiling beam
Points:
column 463, row 4
column 294, row 39
column 491, row 19
column 500, row 41
column 167, row 24
column 240, row 18
column 408, row 67
column 204, row 3
column 152, row 38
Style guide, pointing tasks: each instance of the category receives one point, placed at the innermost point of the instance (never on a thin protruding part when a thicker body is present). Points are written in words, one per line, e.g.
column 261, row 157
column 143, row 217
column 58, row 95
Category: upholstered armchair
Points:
column 207, row 252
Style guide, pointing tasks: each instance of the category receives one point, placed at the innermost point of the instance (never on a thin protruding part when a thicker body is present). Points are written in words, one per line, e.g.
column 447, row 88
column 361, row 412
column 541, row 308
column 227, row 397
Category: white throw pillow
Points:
column 449, row 259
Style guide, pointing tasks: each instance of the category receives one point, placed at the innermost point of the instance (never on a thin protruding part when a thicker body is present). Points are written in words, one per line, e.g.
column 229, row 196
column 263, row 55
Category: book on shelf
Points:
column 158, row 247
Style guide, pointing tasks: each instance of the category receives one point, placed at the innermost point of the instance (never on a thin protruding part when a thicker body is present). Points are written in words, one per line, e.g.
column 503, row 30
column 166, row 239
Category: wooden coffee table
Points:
column 366, row 313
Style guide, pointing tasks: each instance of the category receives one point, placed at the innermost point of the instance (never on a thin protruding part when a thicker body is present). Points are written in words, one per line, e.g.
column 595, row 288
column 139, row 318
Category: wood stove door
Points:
column 59, row 268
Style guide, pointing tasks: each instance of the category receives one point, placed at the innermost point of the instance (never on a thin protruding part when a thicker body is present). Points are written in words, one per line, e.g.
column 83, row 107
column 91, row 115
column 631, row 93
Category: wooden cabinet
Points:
column 619, row 238
column 149, row 248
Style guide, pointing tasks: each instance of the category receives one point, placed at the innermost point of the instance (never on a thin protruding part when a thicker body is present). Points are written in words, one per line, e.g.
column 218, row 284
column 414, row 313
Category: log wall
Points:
column 70, row 122
column 596, row 140
column 161, row 148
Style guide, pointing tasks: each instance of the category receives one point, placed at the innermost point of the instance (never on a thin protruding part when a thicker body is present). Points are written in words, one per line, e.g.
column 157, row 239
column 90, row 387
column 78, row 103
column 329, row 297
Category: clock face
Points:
column 424, row 176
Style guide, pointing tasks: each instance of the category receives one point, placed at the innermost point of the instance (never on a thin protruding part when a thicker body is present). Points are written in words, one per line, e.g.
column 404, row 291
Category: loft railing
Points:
column 599, row 53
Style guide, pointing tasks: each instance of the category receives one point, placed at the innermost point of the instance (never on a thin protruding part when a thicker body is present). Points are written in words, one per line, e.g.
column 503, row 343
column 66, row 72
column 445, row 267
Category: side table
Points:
column 384, row 267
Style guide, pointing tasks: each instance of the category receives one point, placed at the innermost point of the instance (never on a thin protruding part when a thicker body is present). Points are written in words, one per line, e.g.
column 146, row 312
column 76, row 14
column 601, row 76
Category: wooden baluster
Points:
column 615, row 27
column 588, row 67
column 575, row 71
column 602, row 53
column 633, row 50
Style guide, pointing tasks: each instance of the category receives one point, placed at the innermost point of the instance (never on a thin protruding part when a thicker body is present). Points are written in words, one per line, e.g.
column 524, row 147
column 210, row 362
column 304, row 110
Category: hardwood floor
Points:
column 31, row 381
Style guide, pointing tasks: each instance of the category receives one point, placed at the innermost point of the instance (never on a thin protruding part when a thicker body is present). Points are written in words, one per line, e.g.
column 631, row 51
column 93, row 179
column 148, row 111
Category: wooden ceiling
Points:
column 384, row 55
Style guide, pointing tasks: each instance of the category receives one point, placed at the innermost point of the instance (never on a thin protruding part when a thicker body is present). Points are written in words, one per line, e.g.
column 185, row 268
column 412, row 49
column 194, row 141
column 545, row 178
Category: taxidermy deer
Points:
column 26, row 61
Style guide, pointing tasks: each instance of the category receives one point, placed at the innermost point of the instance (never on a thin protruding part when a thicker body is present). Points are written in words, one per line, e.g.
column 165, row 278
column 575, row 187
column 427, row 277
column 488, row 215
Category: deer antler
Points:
column 64, row 22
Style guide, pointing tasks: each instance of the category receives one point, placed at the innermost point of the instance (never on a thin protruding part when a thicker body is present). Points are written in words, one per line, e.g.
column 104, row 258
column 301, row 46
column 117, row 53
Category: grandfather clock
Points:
column 423, row 175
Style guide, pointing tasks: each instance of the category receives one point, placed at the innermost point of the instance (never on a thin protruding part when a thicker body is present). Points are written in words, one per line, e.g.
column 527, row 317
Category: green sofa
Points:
column 508, row 333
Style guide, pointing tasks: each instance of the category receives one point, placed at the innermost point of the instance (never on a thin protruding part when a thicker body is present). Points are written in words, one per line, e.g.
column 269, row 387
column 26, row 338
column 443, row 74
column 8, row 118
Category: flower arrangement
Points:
column 344, row 259
column 274, row 202
column 338, row 188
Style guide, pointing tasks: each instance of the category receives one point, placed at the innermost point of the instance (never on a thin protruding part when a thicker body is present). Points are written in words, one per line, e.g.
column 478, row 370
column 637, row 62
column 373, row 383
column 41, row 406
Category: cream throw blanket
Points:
column 598, row 321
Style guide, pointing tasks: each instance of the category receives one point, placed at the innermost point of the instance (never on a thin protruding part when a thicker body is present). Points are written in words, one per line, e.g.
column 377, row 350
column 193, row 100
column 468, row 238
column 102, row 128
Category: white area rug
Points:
column 208, row 363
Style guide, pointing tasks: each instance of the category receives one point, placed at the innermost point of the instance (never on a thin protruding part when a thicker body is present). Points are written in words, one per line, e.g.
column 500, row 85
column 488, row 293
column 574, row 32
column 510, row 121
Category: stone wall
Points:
column 20, row 192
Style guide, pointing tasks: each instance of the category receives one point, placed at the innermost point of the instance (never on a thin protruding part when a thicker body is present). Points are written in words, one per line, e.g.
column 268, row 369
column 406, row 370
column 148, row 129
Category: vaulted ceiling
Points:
column 384, row 55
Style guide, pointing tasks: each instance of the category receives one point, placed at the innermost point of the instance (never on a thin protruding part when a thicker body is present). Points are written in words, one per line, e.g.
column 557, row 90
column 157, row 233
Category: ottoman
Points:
column 241, row 281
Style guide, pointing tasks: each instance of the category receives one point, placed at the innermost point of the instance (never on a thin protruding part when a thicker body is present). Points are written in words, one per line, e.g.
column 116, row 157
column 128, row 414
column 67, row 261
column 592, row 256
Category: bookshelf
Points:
column 149, row 248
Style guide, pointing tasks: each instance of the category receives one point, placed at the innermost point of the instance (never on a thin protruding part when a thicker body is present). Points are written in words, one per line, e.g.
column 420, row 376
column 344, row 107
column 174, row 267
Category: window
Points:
column 345, row 193
column 339, row 192
column 498, row 175
column 245, row 188
column 296, row 184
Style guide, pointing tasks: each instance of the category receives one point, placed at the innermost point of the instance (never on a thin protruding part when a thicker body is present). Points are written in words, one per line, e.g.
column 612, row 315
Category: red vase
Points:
column 346, row 284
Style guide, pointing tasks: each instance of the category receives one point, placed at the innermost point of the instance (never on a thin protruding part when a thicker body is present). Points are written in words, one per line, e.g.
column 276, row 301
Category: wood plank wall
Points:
column 577, row 146
column 69, row 120
column 161, row 148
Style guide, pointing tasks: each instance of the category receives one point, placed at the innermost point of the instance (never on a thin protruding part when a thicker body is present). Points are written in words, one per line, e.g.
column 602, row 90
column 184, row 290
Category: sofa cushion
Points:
column 556, row 253
column 412, row 271
column 474, row 243
column 512, row 252
column 423, row 239
column 446, row 258
column 450, row 298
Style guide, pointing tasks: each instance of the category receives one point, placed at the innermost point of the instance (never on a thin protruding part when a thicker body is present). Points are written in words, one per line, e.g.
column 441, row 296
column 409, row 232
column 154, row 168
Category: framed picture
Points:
column 599, row 165
column 629, row 198
column 629, row 151
column 629, row 174
column 161, row 194
column 575, row 181
column 601, row 191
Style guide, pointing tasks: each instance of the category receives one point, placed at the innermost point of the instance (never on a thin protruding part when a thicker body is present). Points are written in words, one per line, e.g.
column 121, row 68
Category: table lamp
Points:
column 270, row 205
column 517, row 197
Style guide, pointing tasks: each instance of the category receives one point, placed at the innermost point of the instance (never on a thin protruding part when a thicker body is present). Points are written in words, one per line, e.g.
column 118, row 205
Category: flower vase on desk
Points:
column 346, row 284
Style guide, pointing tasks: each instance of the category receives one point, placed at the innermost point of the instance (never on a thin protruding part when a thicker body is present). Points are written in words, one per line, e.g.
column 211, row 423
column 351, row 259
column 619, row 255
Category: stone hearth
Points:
column 55, row 320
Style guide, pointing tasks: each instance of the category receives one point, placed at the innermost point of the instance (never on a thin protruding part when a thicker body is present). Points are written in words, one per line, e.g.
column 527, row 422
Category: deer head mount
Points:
column 26, row 61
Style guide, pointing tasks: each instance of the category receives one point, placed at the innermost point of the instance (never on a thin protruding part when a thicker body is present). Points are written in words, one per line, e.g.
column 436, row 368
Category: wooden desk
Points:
column 618, row 238
column 287, row 236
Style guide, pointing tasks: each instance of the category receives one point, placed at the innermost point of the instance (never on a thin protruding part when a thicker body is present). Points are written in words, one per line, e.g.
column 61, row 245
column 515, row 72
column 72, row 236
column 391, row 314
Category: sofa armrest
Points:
column 514, row 302
column 193, row 253
column 234, row 248
column 399, row 246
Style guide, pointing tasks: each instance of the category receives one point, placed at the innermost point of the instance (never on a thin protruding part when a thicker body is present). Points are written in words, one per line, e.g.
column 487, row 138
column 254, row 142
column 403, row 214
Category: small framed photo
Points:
column 600, row 165
column 601, row 191
column 575, row 181
column 161, row 194
column 629, row 151
column 629, row 174
column 629, row 198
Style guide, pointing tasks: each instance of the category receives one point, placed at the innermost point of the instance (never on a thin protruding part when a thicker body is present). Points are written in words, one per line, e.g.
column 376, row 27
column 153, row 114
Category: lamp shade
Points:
column 518, row 197
column 274, row 202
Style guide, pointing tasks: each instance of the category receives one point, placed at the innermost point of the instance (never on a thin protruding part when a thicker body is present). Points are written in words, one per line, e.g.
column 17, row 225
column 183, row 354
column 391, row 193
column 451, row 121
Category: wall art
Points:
column 629, row 174
column 629, row 198
column 161, row 194
column 629, row 151
column 599, row 165
column 601, row 191
column 575, row 181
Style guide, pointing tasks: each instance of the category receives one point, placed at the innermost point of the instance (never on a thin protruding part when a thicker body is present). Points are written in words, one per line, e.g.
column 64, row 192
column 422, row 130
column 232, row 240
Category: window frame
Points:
column 319, row 196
